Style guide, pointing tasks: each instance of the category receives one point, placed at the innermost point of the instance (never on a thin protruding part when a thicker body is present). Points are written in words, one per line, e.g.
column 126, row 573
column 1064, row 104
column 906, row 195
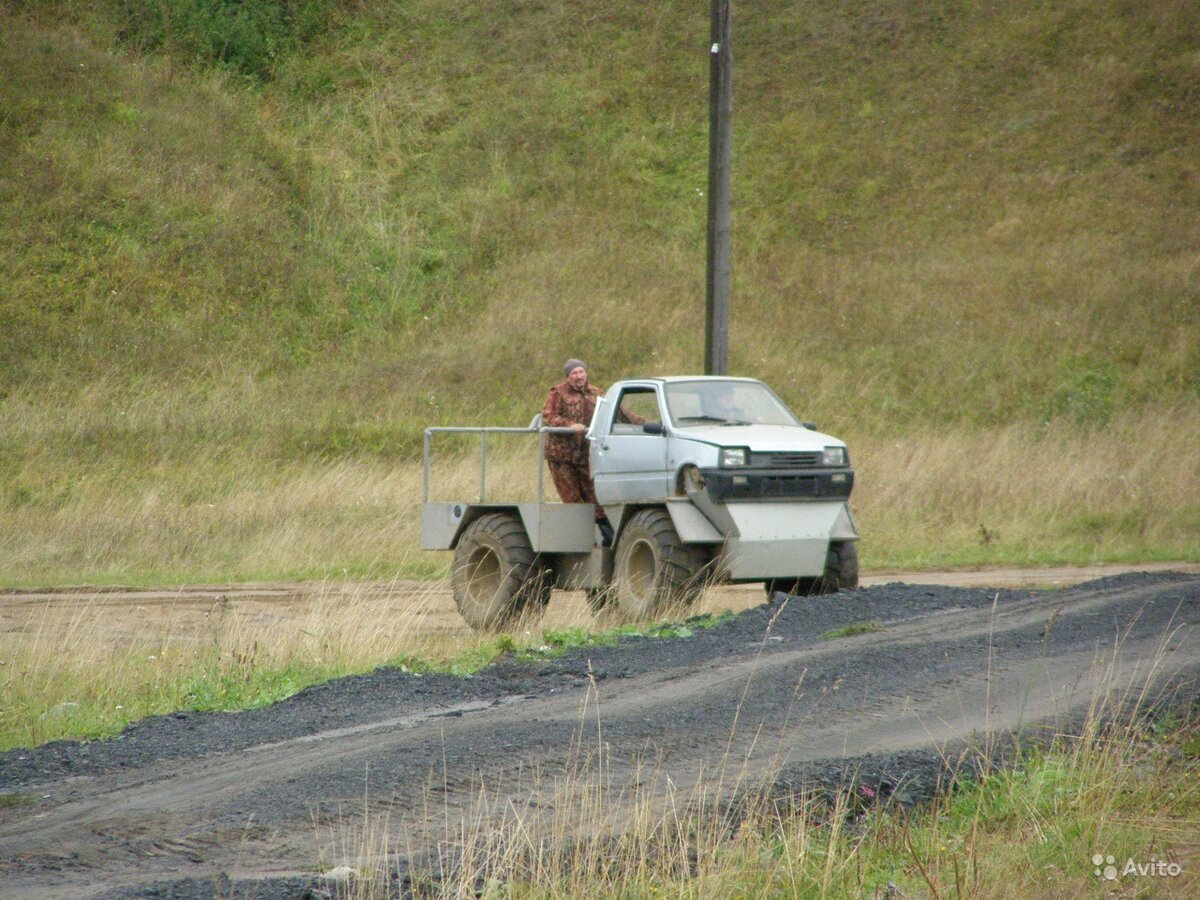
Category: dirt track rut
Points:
column 263, row 794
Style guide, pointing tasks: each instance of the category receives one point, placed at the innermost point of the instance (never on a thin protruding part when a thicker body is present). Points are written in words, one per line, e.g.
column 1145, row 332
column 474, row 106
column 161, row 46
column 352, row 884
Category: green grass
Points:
column 152, row 688
column 851, row 629
column 1033, row 829
column 557, row 642
column 962, row 172
column 227, row 278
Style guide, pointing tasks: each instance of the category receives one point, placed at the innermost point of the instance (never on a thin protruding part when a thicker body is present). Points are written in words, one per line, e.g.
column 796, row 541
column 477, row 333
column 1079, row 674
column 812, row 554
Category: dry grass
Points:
column 1032, row 494
column 981, row 208
column 229, row 313
column 80, row 676
column 85, row 664
column 86, row 675
column 1022, row 493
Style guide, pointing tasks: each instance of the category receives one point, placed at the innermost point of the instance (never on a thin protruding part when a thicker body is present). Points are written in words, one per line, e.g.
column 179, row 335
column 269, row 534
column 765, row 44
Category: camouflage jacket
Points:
column 567, row 406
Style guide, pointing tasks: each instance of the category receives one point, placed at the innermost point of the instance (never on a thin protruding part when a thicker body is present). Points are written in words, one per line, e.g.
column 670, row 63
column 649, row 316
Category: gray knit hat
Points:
column 573, row 364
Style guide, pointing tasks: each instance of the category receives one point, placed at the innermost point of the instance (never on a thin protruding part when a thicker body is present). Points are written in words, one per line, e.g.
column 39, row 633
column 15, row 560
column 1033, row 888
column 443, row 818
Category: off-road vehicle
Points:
column 716, row 482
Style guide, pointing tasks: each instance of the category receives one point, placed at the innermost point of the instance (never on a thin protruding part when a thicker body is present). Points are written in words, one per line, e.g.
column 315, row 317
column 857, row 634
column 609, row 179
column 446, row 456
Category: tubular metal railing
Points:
column 483, row 432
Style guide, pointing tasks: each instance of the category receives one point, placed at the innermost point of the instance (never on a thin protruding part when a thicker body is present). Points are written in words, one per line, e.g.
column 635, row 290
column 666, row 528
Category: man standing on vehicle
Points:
column 571, row 403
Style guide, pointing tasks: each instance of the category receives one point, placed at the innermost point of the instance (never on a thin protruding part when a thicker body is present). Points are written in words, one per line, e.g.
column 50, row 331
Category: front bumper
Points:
column 782, row 540
column 729, row 485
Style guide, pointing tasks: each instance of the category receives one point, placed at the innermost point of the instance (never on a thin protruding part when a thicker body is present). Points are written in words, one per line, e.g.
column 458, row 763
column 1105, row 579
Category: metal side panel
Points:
column 440, row 523
column 785, row 521
column 560, row 527
column 716, row 513
column 552, row 527
column 757, row 560
column 583, row 571
column 616, row 515
column 780, row 540
column 691, row 524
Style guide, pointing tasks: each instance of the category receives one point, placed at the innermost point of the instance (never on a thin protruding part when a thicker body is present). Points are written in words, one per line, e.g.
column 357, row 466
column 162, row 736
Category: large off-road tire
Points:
column 841, row 574
column 496, row 576
column 653, row 567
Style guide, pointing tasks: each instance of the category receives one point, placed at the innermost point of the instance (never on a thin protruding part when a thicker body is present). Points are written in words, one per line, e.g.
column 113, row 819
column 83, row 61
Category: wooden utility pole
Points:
column 720, row 115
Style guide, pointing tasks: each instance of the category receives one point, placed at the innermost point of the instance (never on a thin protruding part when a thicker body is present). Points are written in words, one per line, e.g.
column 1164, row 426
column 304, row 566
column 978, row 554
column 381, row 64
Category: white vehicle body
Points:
column 773, row 515
column 702, row 478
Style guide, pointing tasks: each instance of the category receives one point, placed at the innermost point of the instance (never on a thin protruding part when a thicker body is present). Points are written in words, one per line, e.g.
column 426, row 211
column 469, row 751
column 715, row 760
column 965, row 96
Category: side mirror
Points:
column 654, row 428
column 811, row 426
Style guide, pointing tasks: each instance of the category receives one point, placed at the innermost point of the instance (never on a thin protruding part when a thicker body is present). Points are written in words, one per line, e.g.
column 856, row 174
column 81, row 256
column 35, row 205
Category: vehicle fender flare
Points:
column 677, row 486
column 690, row 523
column 473, row 511
column 692, row 526
column 618, row 513
column 844, row 528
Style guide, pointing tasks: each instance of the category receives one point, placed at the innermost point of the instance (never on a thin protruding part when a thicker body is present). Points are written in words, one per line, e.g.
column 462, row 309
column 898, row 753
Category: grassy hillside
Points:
column 243, row 261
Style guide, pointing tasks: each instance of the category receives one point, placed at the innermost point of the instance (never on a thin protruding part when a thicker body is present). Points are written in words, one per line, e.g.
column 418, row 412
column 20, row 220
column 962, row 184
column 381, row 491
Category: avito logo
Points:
column 1105, row 867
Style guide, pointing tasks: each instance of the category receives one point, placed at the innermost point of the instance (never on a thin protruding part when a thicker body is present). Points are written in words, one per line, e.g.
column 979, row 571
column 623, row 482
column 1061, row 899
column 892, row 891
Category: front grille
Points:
column 748, row 484
column 785, row 460
column 786, row 486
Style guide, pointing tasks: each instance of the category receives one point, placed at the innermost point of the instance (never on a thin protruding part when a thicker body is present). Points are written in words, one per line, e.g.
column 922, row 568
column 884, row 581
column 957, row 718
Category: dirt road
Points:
column 268, row 796
column 116, row 617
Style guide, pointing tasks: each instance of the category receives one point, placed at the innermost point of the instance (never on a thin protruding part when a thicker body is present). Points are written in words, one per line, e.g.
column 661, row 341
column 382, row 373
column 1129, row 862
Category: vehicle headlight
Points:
column 733, row 456
column 833, row 456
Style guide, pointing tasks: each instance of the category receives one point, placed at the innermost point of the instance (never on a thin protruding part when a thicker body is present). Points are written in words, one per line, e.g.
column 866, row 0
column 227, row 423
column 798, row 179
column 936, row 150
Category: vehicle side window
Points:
column 635, row 407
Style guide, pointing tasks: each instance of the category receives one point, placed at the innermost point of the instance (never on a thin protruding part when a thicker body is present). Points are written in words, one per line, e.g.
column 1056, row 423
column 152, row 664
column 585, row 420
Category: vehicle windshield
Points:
column 712, row 402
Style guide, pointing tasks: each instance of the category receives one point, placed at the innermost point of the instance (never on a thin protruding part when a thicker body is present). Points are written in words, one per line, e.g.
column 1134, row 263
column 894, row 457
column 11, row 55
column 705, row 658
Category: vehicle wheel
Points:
column 653, row 567
column 841, row 567
column 841, row 574
column 496, row 576
column 795, row 587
